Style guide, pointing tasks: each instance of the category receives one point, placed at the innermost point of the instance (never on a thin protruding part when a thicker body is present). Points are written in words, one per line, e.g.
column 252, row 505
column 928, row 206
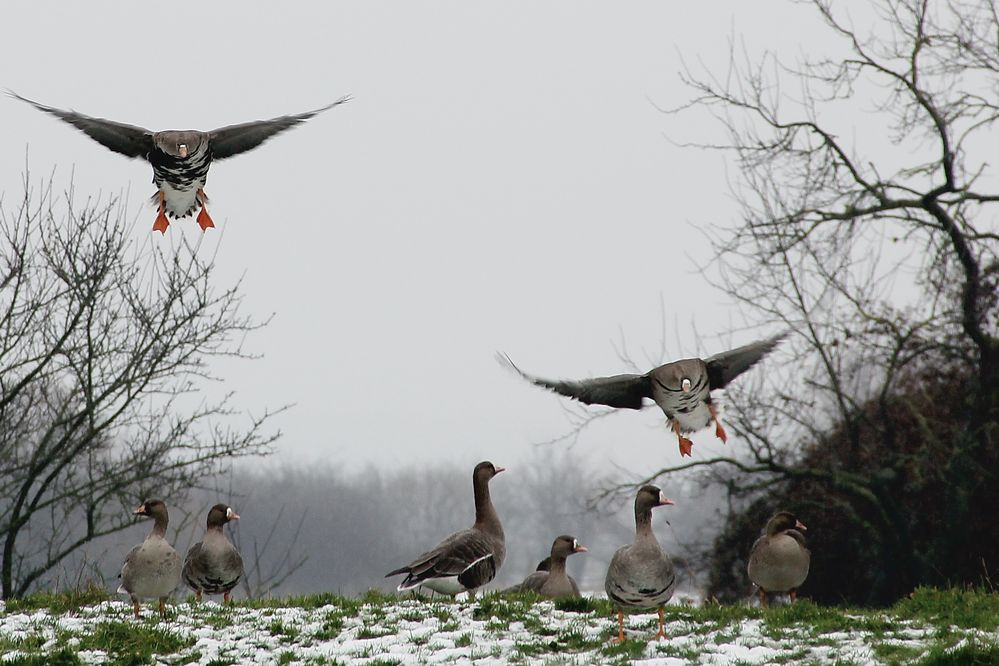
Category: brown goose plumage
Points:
column 554, row 582
column 213, row 565
column 779, row 560
column 151, row 569
column 682, row 389
column 180, row 158
column 470, row 558
column 640, row 575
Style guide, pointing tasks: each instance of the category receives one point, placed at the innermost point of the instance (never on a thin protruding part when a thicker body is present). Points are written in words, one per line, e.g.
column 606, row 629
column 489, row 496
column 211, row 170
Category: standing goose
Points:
column 641, row 576
column 554, row 581
column 468, row 559
column 151, row 569
column 682, row 389
column 778, row 560
column 214, row 566
column 180, row 158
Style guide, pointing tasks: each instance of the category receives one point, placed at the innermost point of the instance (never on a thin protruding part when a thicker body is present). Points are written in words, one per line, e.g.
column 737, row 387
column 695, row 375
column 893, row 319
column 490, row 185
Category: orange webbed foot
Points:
column 161, row 222
column 685, row 444
column 204, row 219
column 720, row 432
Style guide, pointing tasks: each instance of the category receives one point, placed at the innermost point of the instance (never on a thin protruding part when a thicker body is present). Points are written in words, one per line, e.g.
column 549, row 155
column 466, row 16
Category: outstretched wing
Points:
column 726, row 366
column 128, row 140
column 623, row 391
column 235, row 139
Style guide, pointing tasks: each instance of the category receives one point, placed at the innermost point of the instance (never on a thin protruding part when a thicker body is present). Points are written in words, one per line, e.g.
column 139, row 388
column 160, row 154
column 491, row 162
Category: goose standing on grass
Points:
column 151, row 569
column 682, row 389
column 554, row 582
column 778, row 561
column 214, row 566
column 641, row 576
column 468, row 559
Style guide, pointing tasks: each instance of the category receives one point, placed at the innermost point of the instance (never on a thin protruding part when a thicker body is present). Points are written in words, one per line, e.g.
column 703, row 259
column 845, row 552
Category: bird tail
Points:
column 396, row 572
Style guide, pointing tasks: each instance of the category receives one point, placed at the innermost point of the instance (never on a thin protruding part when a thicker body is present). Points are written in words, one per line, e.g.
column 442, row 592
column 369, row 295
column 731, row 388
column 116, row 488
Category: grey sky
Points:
column 500, row 181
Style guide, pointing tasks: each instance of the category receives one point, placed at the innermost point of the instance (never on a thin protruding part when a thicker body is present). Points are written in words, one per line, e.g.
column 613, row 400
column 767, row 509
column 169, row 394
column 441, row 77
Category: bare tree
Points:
column 882, row 256
column 103, row 349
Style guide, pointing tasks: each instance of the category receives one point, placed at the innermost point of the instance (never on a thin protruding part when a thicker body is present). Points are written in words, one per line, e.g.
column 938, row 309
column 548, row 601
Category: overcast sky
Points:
column 502, row 180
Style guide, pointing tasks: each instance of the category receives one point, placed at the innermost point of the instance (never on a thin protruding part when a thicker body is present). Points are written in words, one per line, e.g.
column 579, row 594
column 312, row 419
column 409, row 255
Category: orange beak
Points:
column 141, row 510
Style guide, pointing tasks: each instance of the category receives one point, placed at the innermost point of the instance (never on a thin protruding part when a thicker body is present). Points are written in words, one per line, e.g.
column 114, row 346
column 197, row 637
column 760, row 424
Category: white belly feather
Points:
column 697, row 418
column 181, row 202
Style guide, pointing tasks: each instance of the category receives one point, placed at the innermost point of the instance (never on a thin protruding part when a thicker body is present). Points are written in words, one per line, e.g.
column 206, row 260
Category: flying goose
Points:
column 682, row 389
column 180, row 158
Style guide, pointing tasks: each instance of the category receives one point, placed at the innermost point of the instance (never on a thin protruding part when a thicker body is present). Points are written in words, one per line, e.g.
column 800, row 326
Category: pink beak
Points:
column 665, row 501
column 182, row 148
column 581, row 549
column 798, row 525
column 500, row 469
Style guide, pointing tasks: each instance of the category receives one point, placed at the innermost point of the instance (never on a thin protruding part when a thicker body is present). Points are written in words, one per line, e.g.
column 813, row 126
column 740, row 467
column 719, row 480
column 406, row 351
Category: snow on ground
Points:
column 422, row 632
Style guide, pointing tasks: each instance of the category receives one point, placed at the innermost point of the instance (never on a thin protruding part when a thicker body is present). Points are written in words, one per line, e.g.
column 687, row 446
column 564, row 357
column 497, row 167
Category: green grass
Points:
column 57, row 602
column 945, row 618
column 132, row 643
column 62, row 657
column 971, row 653
column 965, row 608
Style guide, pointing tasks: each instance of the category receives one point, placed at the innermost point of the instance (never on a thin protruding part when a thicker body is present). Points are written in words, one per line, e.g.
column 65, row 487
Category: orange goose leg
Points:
column 135, row 607
column 719, row 431
column 204, row 219
column 662, row 630
column 794, row 595
column 197, row 596
column 161, row 222
column 763, row 598
column 163, row 607
column 685, row 444
column 226, row 596
column 620, row 626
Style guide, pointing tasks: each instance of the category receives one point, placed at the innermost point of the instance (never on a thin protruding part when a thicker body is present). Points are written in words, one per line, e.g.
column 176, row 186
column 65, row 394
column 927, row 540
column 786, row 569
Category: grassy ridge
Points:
column 930, row 626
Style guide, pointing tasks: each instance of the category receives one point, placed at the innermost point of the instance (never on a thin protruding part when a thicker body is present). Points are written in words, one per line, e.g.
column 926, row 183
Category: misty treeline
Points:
column 868, row 229
column 310, row 528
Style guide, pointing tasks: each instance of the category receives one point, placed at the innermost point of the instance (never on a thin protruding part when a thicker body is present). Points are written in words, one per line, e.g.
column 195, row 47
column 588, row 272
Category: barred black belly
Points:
column 641, row 598
column 210, row 584
column 179, row 179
